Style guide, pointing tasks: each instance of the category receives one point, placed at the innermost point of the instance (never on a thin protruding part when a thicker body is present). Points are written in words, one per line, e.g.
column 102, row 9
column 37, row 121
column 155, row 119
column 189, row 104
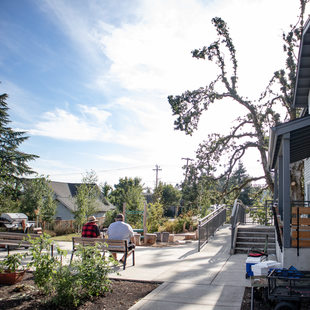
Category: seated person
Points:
column 120, row 231
column 91, row 229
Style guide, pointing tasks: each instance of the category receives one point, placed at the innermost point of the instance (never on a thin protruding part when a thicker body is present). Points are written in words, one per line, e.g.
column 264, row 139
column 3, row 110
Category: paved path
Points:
column 210, row 279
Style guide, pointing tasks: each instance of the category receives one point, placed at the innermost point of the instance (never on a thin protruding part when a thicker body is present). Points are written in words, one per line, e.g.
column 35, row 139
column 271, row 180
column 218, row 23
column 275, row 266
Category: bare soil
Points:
column 25, row 295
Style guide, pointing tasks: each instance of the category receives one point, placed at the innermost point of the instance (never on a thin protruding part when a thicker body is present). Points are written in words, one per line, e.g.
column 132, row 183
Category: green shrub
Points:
column 51, row 233
column 172, row 226
column 86, row 277
column 67, row 286
column 93, row 270
column 181, row 224
column 258, row 215
column 109, row 218
column 154, row 216
column 45, row 265
column 62, row 230
column 167, row 226
column 12, row 262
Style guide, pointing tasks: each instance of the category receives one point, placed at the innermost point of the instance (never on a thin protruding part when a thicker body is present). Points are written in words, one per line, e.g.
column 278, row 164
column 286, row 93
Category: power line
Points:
column 106, row 170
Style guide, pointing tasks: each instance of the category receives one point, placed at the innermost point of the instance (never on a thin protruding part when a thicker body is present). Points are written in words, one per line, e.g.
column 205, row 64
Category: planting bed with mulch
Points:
column 24, row 295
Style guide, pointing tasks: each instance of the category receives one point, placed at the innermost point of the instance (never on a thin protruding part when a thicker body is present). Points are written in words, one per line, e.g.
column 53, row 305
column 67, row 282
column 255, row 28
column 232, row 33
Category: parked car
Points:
column 16, row 222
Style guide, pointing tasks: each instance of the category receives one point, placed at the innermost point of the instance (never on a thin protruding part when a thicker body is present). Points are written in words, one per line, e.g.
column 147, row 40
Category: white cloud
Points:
column 77, row 24
column 117, row 158
column 99, row 114
column 154, row 53
column 57, row 170
column 61, row 124
column 149, row 58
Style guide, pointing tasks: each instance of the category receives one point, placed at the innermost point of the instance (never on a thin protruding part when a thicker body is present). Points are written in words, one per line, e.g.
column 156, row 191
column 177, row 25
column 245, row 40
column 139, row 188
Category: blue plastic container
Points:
column 249, row 262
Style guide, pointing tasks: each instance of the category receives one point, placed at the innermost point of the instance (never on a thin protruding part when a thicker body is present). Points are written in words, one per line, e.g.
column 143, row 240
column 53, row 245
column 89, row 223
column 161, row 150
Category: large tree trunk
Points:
column 297, row 181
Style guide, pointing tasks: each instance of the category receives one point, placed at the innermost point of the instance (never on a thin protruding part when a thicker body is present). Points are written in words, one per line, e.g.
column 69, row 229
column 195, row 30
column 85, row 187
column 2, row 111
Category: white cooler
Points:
column 250, row 261
column 262, row 268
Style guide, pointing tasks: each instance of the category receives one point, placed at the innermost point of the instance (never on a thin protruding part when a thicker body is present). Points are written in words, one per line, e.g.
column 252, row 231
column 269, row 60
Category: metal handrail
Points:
column 237, row 217
column 209, row 224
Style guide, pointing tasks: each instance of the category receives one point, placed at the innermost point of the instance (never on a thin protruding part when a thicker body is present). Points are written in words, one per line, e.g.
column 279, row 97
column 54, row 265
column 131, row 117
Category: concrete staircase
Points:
column 254, row 237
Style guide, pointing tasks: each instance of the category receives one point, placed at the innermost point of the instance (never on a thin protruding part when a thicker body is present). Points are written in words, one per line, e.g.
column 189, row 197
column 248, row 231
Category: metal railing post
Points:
column 199, row 233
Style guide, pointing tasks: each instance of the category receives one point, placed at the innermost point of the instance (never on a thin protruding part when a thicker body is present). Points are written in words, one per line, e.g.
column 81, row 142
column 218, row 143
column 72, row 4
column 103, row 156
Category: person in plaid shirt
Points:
column 91, row 229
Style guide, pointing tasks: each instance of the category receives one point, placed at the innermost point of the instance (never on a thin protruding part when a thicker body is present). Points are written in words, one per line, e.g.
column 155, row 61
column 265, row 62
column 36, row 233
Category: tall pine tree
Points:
column 13, row 162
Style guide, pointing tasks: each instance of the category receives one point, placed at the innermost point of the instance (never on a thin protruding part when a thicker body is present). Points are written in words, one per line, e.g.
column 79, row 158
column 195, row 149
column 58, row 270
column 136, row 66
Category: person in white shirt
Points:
column 120, row 231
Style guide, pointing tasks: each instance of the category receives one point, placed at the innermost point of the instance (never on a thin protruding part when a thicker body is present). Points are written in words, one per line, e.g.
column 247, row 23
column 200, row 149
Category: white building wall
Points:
column 290, row 258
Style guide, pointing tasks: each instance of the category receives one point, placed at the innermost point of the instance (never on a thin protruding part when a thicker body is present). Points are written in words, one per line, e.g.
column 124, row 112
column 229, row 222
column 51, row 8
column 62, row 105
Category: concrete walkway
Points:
column 210, row 279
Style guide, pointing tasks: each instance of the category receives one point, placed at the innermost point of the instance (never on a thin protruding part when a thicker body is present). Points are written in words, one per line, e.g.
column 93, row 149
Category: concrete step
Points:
column 255, row 234
column 255, row 239
column 256, row 245
column 241, row 250
column 257, row 229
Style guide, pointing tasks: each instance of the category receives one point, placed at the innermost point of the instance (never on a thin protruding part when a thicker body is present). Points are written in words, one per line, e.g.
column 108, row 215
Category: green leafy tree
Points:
column 190, row 189
column 251, row 129
column 240, row 176
column 199, row 191
column 49, row 207
column 238, row 186
column 106, row 190
column 109, row 217
column 155, row 216
column 167, row 195
column 88, row 194
column 129, row 191
column 38, row 196
column 13, row 162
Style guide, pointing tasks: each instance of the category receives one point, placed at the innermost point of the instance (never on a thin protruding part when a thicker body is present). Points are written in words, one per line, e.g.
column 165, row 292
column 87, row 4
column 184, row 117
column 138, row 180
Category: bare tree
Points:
column 251, row 130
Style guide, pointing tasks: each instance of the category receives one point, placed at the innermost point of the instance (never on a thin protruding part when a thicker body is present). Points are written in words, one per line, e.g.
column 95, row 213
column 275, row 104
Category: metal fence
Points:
column 68, row 225
column 209, row 224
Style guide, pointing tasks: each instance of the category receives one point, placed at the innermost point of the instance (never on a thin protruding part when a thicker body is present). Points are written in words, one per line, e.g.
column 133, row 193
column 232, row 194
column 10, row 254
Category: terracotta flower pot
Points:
column 10, row 278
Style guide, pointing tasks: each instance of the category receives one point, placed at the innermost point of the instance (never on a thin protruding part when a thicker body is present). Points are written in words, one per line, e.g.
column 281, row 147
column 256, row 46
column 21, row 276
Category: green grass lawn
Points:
column 65, row 237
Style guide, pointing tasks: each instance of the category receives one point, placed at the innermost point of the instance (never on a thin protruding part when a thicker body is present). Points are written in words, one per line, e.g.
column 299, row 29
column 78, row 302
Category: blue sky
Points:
column 89, row 80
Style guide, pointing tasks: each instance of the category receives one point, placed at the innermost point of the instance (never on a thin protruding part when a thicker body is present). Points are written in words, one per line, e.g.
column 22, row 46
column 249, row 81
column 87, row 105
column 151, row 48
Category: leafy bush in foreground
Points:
column 68, row 285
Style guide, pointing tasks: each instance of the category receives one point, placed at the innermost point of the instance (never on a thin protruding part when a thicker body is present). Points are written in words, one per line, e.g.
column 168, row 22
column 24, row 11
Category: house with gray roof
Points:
column 65, row 195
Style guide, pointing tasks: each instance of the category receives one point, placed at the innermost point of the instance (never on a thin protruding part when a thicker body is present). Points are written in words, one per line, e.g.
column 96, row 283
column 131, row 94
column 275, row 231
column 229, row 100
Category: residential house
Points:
column 65, row 195
column 289, row 143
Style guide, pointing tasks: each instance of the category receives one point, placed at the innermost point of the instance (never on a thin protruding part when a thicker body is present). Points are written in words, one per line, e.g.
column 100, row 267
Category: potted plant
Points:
column 12, row 269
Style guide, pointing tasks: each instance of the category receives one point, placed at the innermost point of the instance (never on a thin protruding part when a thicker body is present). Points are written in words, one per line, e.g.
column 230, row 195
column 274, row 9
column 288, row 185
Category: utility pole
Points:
column 187, row 161
column 157, row 168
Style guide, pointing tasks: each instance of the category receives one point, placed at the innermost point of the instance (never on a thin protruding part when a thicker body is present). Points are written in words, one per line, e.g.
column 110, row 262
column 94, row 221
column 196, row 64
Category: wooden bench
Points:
column 112, row 246
column 11, row 239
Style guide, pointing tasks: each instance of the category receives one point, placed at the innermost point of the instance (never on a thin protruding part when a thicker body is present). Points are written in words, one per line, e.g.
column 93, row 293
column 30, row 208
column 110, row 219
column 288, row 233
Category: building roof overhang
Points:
column 302, row 85
column 299, row 130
